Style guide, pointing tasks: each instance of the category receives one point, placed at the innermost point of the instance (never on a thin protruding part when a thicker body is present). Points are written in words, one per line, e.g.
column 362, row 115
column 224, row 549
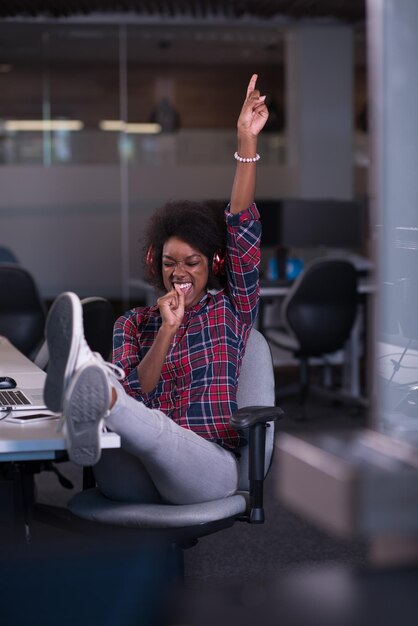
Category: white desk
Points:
column 364, row 286
column 39, row 441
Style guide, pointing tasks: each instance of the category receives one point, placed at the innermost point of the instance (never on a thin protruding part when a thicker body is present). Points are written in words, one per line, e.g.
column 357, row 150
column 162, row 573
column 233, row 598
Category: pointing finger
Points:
column 251, row 84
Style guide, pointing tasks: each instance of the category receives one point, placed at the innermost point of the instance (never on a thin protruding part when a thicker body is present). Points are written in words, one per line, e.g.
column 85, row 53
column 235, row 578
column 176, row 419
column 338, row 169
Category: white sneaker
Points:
column 86, row 402
column 68, row 350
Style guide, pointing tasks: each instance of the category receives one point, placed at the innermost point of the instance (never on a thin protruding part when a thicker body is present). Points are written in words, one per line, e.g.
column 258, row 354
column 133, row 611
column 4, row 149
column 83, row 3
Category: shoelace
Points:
column 86, row 353
column 113, row 369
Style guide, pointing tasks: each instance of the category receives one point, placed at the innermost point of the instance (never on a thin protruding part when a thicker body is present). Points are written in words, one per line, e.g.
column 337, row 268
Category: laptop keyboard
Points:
column 12, row 398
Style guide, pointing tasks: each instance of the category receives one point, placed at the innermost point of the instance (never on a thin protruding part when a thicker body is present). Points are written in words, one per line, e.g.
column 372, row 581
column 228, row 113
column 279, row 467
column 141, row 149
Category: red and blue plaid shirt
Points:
column 198, row 382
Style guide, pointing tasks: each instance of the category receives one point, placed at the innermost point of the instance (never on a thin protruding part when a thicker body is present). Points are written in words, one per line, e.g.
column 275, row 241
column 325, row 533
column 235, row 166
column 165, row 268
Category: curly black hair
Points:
column 200, row 224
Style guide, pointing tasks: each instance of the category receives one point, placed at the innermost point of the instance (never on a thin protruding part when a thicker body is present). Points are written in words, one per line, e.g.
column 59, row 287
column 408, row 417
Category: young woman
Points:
column 172, row 387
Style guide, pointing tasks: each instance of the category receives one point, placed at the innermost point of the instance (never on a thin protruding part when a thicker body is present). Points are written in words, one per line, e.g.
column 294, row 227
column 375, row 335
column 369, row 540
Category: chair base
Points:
column 339, row 395
column 304, row 389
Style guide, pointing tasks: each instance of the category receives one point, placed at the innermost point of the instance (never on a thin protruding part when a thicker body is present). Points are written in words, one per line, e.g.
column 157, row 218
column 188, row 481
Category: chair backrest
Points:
column 98, row 321
column 256, row 388
column 22, row 311
column 321, row 306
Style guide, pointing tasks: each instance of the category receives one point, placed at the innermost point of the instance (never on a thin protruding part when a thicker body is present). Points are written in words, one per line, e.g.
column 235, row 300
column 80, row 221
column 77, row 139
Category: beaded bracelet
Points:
column 245, row 159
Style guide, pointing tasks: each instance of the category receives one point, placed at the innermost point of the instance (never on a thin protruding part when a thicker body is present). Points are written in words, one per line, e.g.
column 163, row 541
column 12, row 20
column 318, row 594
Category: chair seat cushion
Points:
column 92, row 505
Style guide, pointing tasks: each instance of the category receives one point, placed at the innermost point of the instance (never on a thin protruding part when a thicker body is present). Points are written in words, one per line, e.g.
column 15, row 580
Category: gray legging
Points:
column 160, row 461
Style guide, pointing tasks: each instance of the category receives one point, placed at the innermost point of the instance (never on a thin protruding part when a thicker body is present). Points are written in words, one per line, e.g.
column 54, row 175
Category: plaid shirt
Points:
column 198, row 382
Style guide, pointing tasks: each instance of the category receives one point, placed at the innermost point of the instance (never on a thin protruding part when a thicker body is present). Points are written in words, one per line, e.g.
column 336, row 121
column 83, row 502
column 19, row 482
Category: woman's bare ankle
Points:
column 113, row 398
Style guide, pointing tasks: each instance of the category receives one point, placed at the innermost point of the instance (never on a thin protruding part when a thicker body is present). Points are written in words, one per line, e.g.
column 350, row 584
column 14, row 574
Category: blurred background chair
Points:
column 183, row 525
column 7, row 256
column 22, row 311
column 98, row 320
column 317, row 315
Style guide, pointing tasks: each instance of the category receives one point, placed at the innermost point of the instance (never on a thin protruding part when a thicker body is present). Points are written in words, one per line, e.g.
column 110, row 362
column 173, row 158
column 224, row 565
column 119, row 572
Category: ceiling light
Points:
column 130, row 127
column 42, row 125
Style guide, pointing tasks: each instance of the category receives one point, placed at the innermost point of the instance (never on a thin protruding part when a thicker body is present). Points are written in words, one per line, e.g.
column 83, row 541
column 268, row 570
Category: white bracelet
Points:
column 245, row 159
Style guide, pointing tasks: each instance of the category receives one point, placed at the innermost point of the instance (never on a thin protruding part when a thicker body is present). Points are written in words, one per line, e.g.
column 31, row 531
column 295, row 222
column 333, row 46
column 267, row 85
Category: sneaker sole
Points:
column 64, row 318
column 88, row 399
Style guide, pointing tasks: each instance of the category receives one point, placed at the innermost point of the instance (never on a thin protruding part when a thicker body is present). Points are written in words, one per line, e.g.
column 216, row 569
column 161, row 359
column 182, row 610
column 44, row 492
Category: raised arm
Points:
column 253, row 116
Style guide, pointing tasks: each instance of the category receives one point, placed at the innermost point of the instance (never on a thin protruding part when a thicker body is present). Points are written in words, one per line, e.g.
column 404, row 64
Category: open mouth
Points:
column 185, row 287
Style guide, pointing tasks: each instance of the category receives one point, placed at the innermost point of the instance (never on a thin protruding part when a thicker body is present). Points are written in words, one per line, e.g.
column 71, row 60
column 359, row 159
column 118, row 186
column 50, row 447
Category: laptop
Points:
column 29, row 378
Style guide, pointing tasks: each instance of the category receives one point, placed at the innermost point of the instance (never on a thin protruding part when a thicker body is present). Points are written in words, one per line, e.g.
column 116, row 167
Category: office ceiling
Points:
column 260, row 10
column 190, row 32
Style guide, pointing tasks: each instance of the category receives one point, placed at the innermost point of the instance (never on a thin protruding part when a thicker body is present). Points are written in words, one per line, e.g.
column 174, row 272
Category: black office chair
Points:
column 317, row 314
column 22, row 311
column 98, row 321
column 184, row 524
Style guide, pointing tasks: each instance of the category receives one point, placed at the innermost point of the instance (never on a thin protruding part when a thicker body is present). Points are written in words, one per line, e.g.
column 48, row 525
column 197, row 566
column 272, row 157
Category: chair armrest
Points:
column 250, row 415
column 255, row 419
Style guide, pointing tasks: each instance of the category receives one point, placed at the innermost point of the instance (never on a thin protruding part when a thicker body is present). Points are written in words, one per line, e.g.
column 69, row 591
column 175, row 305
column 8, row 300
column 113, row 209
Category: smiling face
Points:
column 186, row 266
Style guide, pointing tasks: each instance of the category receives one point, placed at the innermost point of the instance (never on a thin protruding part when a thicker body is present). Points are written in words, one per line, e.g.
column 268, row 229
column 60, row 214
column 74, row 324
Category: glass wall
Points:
column 100, row 123
column 61, row 95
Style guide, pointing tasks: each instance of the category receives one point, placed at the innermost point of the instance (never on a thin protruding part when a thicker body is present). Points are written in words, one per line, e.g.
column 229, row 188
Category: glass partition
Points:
column 61, row 94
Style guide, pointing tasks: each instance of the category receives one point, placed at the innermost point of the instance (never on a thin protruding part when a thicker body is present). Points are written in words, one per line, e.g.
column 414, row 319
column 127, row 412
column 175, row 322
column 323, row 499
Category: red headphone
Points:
column 218, row 263
column 149, row 260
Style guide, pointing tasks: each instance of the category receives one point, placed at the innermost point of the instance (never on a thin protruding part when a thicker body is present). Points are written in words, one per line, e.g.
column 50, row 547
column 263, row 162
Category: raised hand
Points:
column 251, row 120
column 254, row 112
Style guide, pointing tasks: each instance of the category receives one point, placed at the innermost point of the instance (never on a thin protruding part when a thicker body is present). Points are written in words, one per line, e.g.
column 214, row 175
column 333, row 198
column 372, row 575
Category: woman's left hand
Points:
column 254, row 112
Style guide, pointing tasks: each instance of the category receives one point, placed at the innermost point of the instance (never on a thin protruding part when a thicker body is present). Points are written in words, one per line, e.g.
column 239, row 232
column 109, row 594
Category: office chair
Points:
column 183, row 525
column 22, row 311
column 7, row 256
column 98, row 321
column 317, row 314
